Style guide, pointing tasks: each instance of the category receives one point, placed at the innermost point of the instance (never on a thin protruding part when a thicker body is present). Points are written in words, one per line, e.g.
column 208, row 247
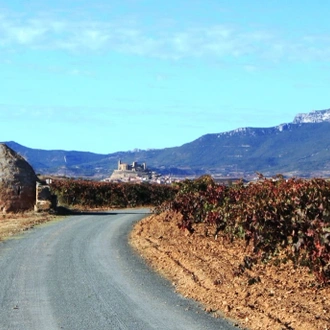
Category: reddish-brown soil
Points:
column 206, row 269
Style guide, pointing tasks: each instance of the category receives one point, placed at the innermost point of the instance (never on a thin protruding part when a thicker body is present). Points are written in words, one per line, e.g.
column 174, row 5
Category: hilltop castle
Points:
column 135, row 167
column 133, row 172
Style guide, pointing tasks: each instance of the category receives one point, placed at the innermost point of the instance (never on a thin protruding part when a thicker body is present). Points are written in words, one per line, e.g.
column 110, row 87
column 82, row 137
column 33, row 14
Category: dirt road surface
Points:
column 81, row 273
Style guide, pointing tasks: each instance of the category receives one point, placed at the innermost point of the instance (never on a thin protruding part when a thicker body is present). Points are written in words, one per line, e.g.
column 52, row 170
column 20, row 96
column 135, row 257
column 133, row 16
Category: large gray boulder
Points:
column 17, row 182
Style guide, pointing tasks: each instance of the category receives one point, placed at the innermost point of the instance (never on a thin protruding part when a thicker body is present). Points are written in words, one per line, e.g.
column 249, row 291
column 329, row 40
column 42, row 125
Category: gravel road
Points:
column 80, row 273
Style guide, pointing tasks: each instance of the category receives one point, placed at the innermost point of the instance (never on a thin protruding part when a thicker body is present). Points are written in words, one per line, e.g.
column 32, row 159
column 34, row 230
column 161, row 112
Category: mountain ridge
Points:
column 299, row 148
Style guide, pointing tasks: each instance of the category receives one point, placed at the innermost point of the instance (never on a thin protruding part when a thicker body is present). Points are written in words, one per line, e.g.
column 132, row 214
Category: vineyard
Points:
column 281, row 219
column 93, row 195
column 236, row 249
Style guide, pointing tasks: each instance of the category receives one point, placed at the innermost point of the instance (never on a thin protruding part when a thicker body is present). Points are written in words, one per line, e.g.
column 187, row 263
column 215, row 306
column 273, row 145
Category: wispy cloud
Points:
column 219, row 41
column 96, row 116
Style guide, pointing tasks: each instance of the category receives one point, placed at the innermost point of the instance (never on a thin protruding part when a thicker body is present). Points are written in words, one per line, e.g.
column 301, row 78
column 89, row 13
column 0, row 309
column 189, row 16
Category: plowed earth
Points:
column 208, row 270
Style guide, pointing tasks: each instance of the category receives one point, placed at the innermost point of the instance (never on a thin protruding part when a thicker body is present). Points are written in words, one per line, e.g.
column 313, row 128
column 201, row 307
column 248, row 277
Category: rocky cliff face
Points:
column 17, row 182
column 317, row 116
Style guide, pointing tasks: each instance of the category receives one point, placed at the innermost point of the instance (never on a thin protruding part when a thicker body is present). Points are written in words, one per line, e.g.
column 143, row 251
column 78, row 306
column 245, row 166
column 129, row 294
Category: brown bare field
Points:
column 267, row 296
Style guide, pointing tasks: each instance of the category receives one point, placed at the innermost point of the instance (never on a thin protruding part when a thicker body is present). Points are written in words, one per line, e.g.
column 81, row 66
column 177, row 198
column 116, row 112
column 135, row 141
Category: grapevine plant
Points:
column 276, row 214
column 93, row 194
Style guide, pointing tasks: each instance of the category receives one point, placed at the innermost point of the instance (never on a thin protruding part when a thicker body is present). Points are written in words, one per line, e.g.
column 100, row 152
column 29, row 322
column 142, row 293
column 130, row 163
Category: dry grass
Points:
column 15, row 223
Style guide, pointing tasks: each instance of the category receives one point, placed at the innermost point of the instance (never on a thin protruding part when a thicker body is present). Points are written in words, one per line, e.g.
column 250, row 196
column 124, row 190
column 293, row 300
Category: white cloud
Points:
column 45, row 115
column 218, row 40
column 250, row 68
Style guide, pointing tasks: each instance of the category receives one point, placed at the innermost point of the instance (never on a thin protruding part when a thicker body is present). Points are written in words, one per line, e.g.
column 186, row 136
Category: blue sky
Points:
column 107, row 76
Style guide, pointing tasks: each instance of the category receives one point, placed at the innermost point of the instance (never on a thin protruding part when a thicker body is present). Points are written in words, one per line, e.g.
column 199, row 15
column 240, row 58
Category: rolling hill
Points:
column 300, row 148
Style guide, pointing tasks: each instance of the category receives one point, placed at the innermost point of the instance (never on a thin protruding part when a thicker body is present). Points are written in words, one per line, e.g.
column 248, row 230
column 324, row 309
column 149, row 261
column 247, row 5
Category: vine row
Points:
column 276, row 214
